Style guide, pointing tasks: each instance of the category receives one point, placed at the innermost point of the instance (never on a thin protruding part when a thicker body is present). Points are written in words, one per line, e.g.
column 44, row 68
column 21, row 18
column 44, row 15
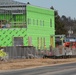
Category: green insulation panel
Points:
column 14, row 17
column 7, row 36
column 40, row 26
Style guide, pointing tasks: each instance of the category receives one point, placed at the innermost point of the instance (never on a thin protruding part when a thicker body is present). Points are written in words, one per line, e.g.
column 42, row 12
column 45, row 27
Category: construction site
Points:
column 27, row 33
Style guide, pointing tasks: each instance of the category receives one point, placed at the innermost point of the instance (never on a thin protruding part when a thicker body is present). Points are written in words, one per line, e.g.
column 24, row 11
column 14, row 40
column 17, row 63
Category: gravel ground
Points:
column 28, row 63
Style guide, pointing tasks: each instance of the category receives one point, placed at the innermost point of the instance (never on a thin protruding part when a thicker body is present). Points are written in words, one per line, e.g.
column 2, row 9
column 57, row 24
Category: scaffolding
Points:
column 12, row 14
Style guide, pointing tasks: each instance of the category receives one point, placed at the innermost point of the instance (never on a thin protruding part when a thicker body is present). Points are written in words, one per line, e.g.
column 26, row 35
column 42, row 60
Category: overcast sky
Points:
column 64, row 7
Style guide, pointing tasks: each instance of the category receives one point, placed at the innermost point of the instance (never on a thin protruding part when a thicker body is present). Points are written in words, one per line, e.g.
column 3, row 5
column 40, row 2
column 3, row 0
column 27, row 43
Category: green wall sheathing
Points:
column 7, row 35
column 40, row 31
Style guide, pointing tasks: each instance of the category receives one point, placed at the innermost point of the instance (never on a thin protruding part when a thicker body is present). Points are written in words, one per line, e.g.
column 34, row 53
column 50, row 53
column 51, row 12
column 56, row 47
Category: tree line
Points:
column 63, row 24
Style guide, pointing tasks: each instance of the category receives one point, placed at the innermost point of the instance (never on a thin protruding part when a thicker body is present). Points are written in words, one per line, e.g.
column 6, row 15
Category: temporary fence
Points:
column 19, row 52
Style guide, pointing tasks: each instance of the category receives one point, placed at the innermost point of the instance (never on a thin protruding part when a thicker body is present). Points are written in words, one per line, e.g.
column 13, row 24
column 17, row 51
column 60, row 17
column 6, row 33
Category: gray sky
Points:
column 64, row 7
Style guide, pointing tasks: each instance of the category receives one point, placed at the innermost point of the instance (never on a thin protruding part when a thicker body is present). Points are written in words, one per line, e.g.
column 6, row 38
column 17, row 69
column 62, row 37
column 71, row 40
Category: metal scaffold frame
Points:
column 13, row 13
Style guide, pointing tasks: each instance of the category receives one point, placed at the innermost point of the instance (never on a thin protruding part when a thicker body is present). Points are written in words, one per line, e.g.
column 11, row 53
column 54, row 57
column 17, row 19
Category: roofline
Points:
column 12, row 5
column 40, row 7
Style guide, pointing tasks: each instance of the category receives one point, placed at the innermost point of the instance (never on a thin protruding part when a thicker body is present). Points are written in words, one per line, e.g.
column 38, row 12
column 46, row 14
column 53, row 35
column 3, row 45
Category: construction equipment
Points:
column 70, row 42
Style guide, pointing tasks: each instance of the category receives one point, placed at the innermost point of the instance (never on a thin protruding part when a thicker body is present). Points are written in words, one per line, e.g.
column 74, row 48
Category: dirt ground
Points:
column 28, row 63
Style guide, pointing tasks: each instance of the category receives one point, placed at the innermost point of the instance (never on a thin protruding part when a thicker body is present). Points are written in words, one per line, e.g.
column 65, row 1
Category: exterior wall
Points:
column 40, row 24
column 15, row 30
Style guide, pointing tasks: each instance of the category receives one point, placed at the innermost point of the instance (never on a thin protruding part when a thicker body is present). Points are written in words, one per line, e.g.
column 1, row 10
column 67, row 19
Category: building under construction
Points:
column 23, row 24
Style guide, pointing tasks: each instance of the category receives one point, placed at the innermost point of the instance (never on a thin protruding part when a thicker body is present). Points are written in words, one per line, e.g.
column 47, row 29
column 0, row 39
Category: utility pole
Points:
column 70, row 32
